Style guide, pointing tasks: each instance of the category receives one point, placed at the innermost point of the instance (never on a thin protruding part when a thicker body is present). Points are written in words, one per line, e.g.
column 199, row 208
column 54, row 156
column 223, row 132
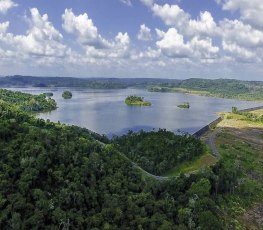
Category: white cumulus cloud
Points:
column 172, row 15
column 205, row 25
column 5, row 5
column 4, row 26
column 250, row 10
column 41, row 39
column 236, row 31
column 82, row 26
column 91, row 41
column 144, row 33
column 172, row 45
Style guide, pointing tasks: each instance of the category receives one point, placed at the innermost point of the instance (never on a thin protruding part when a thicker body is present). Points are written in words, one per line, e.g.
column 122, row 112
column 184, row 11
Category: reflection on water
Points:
column 104, row 111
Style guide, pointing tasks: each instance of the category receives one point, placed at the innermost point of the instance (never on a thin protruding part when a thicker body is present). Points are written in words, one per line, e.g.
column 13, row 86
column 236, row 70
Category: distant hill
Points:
column 94, row 83
column 224, row 88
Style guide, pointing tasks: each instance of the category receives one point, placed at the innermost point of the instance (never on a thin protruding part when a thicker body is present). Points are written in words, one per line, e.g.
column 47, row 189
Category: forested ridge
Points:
column 157, row 152
column 224, row 88
column 92, row 83
column 28, row 102
column 54, row 176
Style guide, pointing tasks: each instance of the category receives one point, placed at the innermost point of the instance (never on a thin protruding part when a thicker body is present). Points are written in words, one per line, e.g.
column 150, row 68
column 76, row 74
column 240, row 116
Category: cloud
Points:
column 91, row 41
column 203, row 48
column 241, row 41
column 144, row 33
column 243, row 34
column 172, row 45
column 41, row 39
column 123, row 39
column 82, row 27
column 250, row 10
column 172, row 15
column 3, row 27
column 239, row 53
column 204, row 25
column 6, row 5
column 126, row 2
column 147, row 2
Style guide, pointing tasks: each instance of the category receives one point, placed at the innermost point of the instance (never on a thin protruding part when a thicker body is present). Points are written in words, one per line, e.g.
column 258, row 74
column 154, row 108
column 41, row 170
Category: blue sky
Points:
column 132, row 38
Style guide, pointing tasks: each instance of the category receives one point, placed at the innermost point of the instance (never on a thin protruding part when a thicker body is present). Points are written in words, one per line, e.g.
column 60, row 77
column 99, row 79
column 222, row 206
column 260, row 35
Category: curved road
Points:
column 211, row 142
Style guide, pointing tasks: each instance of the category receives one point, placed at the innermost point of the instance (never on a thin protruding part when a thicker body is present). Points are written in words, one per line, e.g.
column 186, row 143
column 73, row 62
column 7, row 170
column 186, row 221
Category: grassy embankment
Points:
column 242, row 139
column 205, row 160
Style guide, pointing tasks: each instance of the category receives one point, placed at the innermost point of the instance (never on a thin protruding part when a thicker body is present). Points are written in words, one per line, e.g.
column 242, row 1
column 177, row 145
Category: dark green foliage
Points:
column 67, row 95
column 135, row 100
column 28, row 102
column 235, row 110
column 225, row 88
column 157, row 152
column 185, row 105
column 54, row 176
column 93, row 83
column 54, row 173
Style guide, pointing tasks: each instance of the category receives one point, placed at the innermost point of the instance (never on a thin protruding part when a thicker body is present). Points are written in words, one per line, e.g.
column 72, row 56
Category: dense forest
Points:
column 158, row 152
column 28, row 102
column 54, row 176
column 225, row 88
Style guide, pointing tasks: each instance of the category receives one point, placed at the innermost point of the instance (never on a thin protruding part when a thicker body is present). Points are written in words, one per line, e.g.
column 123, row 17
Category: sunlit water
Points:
column 104, row 111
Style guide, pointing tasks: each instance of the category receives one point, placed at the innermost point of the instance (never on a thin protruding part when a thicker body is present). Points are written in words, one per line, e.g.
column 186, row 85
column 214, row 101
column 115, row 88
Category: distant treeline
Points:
column 224, row 88
column 94, row 83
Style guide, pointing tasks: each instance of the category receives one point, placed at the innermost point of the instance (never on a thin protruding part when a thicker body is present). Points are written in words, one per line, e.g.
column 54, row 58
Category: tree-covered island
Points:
column 67, row 95
column 138, row 101
column 185, row 105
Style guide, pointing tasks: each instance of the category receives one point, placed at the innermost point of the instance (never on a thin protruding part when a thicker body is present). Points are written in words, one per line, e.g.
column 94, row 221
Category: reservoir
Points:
column 104, row 111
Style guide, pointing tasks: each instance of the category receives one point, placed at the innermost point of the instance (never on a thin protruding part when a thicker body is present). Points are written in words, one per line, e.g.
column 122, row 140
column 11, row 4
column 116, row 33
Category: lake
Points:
column 104, row 111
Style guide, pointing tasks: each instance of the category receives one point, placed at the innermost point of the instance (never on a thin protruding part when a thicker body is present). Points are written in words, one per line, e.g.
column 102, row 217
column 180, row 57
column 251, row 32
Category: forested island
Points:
column 59, row 176
column 185, row 105
column 67, row 95
column 137, row 101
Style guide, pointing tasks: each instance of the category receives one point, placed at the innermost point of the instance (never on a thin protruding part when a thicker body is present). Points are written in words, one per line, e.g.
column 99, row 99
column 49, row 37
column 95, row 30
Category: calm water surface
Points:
column 104, row 111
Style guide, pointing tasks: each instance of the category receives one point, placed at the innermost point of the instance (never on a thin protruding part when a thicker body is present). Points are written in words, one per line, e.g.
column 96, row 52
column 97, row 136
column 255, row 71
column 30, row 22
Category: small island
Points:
column 185, row 105
column 67, row 95
column 138, row 101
